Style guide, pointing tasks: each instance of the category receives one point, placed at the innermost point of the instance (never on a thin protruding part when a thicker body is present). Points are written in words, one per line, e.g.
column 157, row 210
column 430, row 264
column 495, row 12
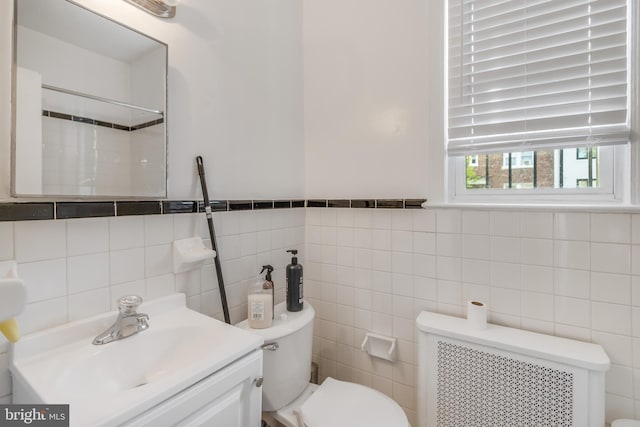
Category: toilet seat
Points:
column 343, row 404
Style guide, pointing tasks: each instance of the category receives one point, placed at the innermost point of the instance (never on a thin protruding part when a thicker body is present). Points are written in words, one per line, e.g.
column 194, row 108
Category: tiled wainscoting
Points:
column 569, row 274
column 76, row 268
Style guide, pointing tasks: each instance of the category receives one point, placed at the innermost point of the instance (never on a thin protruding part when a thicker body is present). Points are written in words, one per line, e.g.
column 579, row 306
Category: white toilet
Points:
column 289, row 398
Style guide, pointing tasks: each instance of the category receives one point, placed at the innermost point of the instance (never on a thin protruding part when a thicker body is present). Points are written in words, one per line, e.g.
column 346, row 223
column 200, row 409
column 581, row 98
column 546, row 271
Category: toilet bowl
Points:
column 289, row 398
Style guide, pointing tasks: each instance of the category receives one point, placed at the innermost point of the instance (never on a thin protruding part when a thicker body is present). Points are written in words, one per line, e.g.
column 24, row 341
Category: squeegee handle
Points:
column 203, row 182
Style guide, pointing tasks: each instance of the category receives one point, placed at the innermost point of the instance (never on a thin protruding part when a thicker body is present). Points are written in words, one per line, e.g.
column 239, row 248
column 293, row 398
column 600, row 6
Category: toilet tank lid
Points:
column 284, row 322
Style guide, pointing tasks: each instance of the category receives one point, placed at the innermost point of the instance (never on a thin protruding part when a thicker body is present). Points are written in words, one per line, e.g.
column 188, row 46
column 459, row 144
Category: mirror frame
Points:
column 14, row 100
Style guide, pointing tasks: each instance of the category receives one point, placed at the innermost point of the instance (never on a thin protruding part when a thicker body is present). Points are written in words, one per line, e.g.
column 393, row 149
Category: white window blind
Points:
column 536, row 74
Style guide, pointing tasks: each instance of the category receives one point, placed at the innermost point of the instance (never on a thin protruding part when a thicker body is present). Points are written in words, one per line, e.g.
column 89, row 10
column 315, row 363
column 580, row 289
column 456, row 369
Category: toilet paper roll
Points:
column 477, row 314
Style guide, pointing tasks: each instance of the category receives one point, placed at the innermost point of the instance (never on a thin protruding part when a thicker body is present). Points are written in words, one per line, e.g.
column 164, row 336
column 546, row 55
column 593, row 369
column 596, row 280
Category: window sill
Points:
column 538, row 207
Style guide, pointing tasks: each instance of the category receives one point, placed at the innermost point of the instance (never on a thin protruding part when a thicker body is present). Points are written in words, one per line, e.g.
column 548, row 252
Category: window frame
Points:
column 619, row 177
column 612, row 176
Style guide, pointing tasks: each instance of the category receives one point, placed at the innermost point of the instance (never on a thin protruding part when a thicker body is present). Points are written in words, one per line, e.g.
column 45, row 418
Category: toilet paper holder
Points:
column 380, row 346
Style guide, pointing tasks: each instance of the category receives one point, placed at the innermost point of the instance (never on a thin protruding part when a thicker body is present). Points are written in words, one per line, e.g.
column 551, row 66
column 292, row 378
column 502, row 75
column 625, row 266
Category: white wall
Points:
column 235, row 94
column 366, row 99
column 148, row 73
column 374, row 127
column 68, row 66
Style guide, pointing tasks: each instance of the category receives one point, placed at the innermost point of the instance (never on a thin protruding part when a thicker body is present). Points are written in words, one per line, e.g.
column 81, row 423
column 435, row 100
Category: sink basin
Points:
column 128, row 365
column 111, row 383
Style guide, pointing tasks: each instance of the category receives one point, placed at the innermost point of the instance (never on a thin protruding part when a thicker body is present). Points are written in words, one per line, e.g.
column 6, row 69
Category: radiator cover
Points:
column 505, row 377
column 486, row 389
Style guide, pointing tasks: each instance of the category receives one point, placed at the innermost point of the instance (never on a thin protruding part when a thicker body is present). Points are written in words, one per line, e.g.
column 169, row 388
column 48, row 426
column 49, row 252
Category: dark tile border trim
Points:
column 363, row 203
column 24, row 211
column 390, row 204
column 54, row 115
column 90, row 121
column 316, row 203
column 138, row 208
column 282, row 204
column 216, row 206
column 338, row 203
column 414, row 203
column 147, row 124
column 240, row 205
column 179, row 206
column 263, row 204
column 66, row 210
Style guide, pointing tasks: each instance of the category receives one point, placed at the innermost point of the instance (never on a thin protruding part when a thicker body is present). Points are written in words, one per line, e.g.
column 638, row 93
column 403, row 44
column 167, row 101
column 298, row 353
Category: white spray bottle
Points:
column 260, row 303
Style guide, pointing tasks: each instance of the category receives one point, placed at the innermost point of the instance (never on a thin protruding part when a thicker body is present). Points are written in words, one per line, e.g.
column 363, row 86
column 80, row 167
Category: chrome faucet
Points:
column 129, row 322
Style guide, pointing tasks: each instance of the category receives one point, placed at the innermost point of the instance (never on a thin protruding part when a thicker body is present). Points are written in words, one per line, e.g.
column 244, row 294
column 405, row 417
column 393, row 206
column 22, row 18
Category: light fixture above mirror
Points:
column 161, row 8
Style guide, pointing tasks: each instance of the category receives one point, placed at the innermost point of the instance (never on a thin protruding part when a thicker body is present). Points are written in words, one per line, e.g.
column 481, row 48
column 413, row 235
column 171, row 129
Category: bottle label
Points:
column 300, row 291
column 257, row 310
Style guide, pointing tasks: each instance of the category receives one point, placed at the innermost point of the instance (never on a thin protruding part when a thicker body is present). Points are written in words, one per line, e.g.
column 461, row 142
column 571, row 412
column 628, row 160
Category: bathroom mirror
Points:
column 89, row 105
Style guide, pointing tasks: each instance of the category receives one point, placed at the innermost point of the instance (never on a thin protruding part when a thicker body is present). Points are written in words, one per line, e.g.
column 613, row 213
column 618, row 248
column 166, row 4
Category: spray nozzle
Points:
column 269, row 271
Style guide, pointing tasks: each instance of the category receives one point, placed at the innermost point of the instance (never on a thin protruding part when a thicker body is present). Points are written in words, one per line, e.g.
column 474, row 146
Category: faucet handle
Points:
column 129, row 304
column 143, row 322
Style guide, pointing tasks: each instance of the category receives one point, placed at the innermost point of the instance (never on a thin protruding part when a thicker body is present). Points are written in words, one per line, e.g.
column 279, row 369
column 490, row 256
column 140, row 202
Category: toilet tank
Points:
column 287, row 368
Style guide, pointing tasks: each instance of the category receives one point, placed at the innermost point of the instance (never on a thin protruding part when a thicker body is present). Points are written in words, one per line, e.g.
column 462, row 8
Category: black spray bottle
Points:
column 294, row 283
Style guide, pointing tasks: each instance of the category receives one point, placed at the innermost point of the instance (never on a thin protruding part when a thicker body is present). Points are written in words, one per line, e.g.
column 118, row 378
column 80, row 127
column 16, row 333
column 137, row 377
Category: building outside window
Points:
column 583, row 153
column 552, row 169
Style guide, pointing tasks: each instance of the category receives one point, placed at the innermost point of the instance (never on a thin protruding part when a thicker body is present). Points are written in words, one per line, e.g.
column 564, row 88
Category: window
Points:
column 543, row 169
column 537, row 93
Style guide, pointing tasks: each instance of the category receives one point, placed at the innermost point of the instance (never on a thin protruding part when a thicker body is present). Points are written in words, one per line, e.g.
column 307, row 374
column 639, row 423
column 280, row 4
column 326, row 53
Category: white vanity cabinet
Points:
column 186, row 369
column 228, row 398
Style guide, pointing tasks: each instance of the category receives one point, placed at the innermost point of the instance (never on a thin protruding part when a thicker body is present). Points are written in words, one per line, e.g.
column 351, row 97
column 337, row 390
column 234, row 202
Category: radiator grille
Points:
column 477, row 388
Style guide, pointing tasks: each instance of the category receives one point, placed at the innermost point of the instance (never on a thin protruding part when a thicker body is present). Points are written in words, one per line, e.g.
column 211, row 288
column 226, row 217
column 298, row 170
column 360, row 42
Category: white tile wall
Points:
column 564, row 273
column 126, row 232
column 78, row 268
column 39, row 240
column 87, row 236
column 571, row 274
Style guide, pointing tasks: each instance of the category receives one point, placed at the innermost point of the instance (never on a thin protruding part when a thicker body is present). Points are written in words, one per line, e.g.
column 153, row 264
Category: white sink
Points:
column 109, row 384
